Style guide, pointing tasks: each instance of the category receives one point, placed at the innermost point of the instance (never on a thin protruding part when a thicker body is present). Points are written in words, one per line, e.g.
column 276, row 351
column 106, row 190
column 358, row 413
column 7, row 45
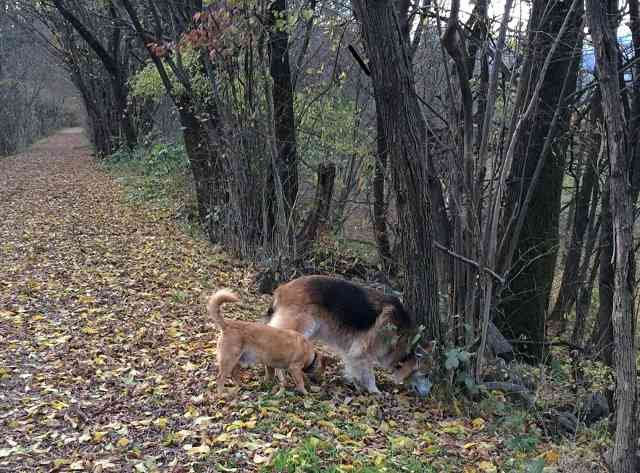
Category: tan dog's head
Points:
column 413, row 370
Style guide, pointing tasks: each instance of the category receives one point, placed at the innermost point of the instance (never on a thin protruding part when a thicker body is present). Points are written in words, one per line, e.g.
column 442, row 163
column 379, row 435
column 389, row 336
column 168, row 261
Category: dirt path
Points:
column 100, row 319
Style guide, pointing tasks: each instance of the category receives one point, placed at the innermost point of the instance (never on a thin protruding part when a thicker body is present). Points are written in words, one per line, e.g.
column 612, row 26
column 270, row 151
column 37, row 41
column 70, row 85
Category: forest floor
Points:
column 107, row 361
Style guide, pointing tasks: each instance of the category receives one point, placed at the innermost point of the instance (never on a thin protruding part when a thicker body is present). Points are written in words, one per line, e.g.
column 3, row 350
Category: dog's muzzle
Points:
column 420, row 384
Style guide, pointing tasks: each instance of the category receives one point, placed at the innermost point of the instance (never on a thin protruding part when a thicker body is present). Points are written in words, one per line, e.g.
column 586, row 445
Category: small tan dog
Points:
column 245, row 343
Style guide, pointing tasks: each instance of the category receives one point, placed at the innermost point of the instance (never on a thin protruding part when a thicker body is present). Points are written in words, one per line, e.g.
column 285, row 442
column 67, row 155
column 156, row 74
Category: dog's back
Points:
column 273, row 346
column 350, row 306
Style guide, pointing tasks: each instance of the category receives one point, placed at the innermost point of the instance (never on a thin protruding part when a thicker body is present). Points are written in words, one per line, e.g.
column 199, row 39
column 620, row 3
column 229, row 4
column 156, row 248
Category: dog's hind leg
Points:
column 223, row 374
column 228, row 359
column 235, row 375
column 268, row 374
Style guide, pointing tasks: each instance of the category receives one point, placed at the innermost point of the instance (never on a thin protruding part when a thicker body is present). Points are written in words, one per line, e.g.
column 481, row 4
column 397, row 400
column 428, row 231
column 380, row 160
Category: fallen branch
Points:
column 549, row 344
column 512, row 389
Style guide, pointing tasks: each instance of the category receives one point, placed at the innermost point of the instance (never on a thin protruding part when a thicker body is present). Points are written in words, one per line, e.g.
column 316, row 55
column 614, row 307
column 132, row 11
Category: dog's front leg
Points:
column 369, row 381
column 298, row 377
column 361, row 375
column 283, row 382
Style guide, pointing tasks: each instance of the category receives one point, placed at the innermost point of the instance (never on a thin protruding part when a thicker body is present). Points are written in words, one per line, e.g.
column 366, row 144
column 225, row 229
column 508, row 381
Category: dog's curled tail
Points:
column 216, row 300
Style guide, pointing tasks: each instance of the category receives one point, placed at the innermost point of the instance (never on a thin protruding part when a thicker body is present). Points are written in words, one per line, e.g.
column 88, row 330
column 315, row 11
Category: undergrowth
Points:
column 159, row 177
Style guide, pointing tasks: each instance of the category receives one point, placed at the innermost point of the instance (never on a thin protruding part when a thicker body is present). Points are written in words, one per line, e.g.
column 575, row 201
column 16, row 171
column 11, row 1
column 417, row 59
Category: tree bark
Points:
column 115, row 70
column 531, row 264
column 606, row 54
column 282, row 93
column 318, row 218
column 583, row 304
column 570, row 283
column 463, row 189
column 405, row 133
column 204, row 164
column 602, row 336
column 379, row 202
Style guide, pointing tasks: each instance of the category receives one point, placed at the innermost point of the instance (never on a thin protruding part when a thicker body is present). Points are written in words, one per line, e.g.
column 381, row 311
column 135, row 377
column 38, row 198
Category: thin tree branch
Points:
column 464, row 259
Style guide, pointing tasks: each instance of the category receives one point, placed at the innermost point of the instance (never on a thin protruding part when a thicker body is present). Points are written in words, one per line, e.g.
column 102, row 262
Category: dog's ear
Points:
column 429, row 346
column 425, row 348
column 404, row 369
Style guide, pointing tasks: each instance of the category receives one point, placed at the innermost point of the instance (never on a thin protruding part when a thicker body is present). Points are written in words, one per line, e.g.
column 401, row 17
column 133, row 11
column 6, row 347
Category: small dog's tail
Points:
column 214, row 303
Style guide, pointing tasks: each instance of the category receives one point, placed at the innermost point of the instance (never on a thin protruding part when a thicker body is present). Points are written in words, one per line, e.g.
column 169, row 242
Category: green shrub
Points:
column 158, row 176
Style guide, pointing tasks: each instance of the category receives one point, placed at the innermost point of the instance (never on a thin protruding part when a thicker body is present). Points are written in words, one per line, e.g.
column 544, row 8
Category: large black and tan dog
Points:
column 365, row 327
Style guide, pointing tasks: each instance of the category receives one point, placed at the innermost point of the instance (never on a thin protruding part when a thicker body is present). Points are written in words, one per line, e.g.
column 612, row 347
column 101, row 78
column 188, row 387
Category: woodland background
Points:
column 481, row 160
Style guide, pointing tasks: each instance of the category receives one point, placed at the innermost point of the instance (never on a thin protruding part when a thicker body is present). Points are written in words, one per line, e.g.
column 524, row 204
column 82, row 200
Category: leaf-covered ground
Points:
column 107, row 362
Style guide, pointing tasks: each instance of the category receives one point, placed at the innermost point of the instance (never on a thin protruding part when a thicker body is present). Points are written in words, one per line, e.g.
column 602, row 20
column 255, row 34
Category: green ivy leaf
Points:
column 535, row 466
column 452, row 361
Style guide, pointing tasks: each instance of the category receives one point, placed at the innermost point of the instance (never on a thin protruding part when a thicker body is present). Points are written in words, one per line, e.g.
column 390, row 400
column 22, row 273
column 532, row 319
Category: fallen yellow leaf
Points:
column 161, row 422
column 478, row 423
column 260, row 459
column 222, row 438
column 58, row 405
column 77, row 466
column 551, row 456
column 379, row 460
column 122, row 442
column 487, row 467
column 401, row 443
column 201, row 450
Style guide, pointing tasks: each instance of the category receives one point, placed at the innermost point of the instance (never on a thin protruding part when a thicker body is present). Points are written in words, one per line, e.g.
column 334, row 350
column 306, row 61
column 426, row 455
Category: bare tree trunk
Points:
column 602, row 335
column 318, row 217
column 634, row 121
column 570, row 282
column 379, row 202
column 112, row 65
column 203, row 158
column 533, row 247
column 583, row 303
column 405, row 133
column 205, row 167
column 465, row 226
column 284, row 120
column 606, row 53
